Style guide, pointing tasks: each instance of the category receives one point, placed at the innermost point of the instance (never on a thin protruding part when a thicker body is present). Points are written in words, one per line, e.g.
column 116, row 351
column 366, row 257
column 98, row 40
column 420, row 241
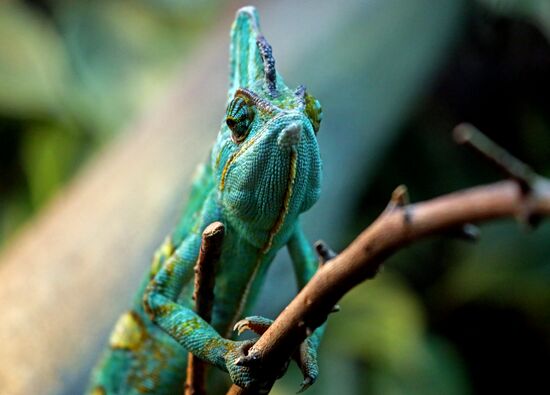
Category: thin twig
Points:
column 399, row 225
column 324, row 252
column 203, row 294
column 512, row 167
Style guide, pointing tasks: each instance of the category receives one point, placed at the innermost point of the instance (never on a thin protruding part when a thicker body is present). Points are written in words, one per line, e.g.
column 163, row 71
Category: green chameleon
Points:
column 264, row 171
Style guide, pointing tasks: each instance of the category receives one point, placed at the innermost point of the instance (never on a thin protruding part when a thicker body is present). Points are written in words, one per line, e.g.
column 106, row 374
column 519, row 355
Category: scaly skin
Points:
column 264, row 171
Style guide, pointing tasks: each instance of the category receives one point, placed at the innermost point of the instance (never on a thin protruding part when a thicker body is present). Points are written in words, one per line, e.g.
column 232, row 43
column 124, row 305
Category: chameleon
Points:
column 263, row 171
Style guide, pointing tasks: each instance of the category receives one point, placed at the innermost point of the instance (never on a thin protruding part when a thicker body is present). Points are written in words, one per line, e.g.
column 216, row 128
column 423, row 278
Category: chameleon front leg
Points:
column 183, row 324
column 305, row 265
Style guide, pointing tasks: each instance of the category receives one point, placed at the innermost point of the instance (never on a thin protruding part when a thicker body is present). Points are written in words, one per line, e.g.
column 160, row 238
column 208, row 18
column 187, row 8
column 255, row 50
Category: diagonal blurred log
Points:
column 73, row 269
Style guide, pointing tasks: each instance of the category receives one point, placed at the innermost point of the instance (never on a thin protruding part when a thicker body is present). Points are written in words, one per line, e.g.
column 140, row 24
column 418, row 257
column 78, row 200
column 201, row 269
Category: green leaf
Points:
column 49, row 154
column 32, row 64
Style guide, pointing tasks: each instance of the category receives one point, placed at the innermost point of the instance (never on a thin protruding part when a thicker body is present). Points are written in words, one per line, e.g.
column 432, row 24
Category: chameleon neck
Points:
column 266, row 250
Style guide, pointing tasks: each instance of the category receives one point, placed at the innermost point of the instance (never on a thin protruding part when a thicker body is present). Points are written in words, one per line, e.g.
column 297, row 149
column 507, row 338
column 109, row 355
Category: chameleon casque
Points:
column 263, row 172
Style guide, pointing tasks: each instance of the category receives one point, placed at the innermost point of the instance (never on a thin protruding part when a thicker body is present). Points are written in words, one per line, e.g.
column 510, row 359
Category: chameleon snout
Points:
column 290, row 135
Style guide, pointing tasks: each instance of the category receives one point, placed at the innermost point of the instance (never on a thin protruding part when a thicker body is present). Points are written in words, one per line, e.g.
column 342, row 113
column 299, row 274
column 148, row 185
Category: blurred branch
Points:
column 398, row 226
column 467, row 134
column 203, row 294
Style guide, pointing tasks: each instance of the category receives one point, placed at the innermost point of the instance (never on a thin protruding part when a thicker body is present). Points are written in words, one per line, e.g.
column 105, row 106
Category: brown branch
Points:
column 203, row 294
column 399, row 225
column 511, row 167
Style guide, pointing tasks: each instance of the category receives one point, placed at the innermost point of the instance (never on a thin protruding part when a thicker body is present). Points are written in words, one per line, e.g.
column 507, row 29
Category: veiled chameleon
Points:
column 263, row 172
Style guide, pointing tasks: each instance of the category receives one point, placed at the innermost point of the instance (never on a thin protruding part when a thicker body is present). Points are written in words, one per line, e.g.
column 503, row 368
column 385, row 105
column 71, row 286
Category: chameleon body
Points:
column 264, row 171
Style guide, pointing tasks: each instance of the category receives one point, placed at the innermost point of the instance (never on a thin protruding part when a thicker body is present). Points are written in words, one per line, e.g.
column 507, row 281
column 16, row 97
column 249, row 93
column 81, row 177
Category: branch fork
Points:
column 525, row 196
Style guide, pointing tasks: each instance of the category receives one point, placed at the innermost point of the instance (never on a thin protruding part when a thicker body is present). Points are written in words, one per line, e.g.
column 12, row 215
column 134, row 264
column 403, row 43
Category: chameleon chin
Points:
column 263, row 172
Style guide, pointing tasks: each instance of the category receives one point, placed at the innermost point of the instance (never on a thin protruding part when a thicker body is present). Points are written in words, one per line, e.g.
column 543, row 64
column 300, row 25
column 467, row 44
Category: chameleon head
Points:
column 267, row 161
column 266, row 158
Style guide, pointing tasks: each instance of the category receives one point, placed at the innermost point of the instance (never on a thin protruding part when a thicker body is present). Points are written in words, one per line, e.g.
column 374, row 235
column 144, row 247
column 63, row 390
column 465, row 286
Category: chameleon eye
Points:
column 313, row 111
column 239, row 117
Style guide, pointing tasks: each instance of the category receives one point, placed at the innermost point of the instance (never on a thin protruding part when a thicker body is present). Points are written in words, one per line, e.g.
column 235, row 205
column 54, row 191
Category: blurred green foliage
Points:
column 72, row 74
column 445, row 317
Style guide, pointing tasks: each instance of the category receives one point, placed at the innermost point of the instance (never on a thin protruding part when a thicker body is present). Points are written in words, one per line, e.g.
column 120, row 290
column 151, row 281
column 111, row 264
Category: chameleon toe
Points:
column 241, row 326
column 256, row 324
column 308, row 381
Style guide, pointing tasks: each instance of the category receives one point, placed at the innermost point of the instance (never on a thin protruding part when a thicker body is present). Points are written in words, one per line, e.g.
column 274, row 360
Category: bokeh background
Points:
column 107, row 107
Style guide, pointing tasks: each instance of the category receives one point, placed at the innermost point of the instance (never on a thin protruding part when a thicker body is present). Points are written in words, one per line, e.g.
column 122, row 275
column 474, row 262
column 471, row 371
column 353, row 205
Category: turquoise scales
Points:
column 264, row 171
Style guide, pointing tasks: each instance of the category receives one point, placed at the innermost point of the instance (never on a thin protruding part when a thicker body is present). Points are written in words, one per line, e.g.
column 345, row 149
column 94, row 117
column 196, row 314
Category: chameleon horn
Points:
column 300, row 93
column 269, row 65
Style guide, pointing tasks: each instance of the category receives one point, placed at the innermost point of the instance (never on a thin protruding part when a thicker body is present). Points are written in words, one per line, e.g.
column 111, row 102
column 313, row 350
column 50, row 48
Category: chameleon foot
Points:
column 241, row 368
column 305, row 356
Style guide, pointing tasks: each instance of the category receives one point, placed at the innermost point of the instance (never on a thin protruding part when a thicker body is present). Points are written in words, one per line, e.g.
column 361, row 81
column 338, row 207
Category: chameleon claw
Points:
column 240, row 361
column 247, row 360
column 255, row 324
column 243, row 357
column 241, row 326
column 308, row 381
